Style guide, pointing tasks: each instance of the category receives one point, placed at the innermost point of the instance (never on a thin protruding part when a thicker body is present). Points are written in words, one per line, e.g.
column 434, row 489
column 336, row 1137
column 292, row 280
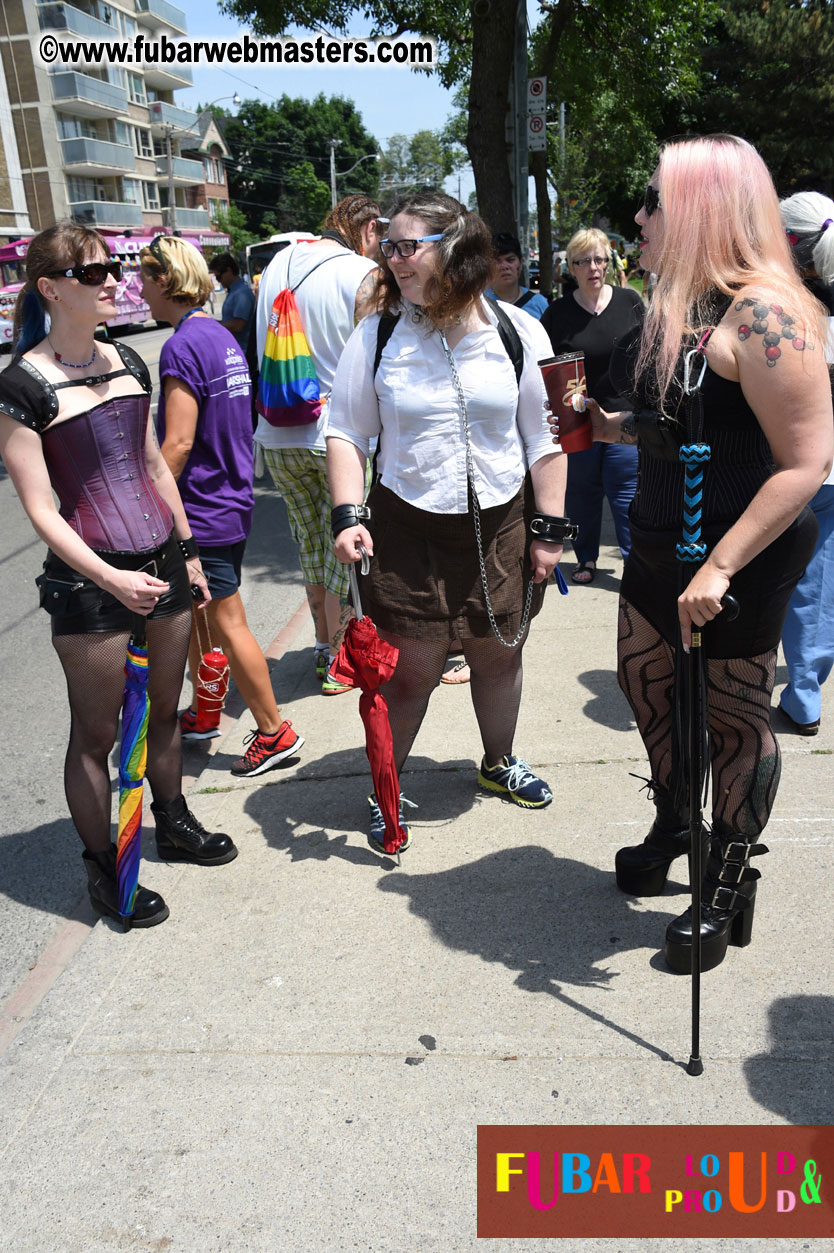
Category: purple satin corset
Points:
column 96, row 464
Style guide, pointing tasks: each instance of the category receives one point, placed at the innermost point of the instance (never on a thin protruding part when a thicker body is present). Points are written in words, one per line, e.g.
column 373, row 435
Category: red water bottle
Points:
column 212, row 686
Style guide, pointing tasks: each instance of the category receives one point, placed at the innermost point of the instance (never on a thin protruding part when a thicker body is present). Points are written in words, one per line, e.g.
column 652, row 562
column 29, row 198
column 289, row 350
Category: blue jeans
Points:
column 604, row 470
column 808, row 633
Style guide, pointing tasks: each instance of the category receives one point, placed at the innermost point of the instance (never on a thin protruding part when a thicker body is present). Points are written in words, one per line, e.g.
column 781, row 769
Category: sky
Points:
column 391, row 100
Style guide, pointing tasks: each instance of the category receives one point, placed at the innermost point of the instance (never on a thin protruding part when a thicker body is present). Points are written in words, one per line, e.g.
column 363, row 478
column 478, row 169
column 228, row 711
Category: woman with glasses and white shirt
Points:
column 75, row 421
column 462, row 439
column 590, row 319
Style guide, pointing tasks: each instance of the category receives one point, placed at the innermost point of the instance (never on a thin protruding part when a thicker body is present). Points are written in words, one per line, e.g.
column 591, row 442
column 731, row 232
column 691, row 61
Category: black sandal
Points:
column 584, row 567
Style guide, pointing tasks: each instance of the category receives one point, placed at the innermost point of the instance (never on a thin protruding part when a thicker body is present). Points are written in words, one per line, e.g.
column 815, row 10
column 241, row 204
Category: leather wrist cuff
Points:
column 344, row 516
column 552, row 530
column 188, row 547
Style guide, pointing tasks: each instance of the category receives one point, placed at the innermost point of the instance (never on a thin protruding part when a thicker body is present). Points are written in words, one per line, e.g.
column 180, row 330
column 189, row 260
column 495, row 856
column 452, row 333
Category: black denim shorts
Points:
column 78, row 606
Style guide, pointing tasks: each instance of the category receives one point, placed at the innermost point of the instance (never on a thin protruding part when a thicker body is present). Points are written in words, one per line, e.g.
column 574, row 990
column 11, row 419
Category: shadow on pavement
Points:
column 549, row 918
column 801, row 1032
column 42, row 868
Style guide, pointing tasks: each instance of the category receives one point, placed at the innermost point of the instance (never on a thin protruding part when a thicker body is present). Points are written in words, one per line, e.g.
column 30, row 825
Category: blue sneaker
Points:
column 376, row 839
column 514, row 779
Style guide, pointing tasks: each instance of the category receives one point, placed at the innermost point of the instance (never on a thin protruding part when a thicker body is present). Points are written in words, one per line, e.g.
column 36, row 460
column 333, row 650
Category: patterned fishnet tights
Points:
column 93, row 667
column 745, row 757
column 495, row 686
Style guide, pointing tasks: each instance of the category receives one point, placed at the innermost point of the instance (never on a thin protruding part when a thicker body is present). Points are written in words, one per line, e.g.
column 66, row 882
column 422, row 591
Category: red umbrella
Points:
column 366, row 661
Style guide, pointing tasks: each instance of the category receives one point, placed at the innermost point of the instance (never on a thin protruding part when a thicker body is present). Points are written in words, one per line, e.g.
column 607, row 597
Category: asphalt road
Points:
column 42, row 880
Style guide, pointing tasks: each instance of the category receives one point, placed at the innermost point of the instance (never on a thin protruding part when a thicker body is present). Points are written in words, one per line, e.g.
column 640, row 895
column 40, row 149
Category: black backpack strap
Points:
column 525, row 299
column 387, row 322
column 509, row 337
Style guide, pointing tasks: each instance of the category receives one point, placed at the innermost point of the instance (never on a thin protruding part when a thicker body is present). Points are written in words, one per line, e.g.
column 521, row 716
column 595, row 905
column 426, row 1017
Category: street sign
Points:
column 536, row 95
column 536, row 133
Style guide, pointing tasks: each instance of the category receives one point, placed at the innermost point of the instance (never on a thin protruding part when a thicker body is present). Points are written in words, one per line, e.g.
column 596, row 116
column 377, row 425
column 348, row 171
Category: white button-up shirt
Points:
column 412, row 407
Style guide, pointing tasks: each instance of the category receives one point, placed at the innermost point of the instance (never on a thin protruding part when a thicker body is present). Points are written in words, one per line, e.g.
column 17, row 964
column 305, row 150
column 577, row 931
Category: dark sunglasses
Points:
column 92, row 275
column 651, row 200
column 808, row 237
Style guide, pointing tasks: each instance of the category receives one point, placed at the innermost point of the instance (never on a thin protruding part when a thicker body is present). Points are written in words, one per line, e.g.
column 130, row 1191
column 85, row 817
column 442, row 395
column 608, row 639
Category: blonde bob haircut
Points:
column 181, row 265
column 580, row 244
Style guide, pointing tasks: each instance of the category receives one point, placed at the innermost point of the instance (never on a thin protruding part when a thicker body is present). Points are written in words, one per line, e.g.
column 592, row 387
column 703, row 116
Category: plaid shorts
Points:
column 300, row 475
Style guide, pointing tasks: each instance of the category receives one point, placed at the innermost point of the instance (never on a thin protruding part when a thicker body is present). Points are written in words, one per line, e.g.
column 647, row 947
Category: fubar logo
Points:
column 753, row 1182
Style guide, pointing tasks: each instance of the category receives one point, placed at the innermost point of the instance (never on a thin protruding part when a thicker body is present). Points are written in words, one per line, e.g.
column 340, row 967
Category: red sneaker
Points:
column 265, row 751
column 199, row 726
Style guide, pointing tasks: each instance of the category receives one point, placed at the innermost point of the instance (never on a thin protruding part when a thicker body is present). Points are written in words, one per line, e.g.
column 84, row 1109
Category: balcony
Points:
column 189, row 219
column 86, row 96
column 164, row 114
column 156, row 13
column 93, row 156
column 66, row 17
column 183, row 170
column 168, row 77
column 105, row 213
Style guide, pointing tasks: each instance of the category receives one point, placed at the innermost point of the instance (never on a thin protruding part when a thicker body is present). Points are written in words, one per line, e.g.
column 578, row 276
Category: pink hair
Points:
column 722, row 231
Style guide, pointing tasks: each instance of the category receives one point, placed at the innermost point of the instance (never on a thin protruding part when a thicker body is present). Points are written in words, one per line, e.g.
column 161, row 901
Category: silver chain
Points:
column 476, row 510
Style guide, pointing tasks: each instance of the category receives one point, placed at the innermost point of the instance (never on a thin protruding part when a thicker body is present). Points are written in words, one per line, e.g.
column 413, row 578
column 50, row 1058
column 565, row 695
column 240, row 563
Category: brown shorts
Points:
column 425, row 580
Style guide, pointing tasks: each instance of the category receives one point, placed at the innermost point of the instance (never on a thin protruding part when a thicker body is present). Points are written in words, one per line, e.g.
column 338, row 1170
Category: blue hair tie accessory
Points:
column 33, row 328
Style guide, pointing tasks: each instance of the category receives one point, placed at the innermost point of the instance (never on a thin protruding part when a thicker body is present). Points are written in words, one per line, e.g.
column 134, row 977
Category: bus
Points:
column 258, row 256
column 131, row 308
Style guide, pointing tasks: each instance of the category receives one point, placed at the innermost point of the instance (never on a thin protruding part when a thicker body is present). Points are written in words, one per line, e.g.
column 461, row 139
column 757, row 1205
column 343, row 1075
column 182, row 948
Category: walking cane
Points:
column 697, row 705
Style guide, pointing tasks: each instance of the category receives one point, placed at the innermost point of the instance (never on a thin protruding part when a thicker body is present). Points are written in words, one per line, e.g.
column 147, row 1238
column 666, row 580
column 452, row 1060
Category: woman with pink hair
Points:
column 727, row 288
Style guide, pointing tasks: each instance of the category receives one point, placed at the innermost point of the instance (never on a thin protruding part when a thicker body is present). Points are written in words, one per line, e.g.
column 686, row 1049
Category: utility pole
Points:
column 172, row 204
column 333, row 196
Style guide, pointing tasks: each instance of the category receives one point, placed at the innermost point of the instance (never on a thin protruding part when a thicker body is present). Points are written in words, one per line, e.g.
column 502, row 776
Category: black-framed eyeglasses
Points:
column 405, row 247
column 651, row 200
column 157, row 252
column 93, row 274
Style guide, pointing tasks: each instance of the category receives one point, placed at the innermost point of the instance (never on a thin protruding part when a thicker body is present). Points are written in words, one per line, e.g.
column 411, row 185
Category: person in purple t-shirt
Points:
column 205, row 429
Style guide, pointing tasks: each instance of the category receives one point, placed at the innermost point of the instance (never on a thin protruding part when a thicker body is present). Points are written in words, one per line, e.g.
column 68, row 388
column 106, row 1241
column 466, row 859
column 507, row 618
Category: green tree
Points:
column 642, row 47
column 767, row 74
column 421, row 160
column 233, row 224
column 279, row 170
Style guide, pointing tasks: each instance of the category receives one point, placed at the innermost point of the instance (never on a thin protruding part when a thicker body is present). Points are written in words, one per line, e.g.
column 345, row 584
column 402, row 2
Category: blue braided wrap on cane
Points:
column 694, row 458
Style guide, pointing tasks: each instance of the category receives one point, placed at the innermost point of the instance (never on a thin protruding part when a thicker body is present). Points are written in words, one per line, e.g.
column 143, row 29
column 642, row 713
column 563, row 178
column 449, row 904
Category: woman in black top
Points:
column 712, row 233
column 591, row 319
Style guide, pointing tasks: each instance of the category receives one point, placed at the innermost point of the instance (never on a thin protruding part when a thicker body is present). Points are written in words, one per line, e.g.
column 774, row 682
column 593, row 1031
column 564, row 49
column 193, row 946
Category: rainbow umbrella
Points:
column 132, row 760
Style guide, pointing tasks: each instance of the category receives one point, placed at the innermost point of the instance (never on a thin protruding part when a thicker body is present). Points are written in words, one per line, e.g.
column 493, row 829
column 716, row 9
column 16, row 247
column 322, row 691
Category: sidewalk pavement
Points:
column 299, row 1058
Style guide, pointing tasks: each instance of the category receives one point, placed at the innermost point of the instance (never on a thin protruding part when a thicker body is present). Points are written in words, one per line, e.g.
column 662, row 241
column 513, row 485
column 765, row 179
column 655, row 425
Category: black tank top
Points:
column 740, row 461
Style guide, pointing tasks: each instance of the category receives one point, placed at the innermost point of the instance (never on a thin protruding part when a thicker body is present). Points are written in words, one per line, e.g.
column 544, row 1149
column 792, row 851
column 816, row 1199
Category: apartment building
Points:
column 103, row 145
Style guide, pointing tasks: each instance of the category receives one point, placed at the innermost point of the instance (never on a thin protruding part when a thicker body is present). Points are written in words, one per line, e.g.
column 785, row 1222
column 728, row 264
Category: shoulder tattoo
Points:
column 366, row 294
column 776, row 327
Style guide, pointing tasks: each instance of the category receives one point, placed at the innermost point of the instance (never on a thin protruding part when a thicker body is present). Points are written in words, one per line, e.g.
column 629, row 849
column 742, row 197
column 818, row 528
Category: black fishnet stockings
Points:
column 495, row 686
column 745, row 757
column 93, row 667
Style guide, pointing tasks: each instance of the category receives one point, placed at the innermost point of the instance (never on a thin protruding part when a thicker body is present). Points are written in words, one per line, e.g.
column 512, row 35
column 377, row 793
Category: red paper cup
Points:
column 564, row 378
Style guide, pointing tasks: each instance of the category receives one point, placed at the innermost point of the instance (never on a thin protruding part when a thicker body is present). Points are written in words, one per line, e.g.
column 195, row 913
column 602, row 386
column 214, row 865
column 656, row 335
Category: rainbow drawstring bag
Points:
column 288, row 388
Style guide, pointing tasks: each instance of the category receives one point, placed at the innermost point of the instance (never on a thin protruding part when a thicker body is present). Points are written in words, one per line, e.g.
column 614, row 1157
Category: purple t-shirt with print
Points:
column 216, row 484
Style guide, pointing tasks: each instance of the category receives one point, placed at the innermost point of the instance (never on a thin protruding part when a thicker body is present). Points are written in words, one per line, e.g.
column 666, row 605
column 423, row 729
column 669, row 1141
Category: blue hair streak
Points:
column 33, row 323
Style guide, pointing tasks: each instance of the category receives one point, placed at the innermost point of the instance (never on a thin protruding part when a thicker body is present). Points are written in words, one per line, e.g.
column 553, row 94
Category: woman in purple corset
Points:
column 75, row 421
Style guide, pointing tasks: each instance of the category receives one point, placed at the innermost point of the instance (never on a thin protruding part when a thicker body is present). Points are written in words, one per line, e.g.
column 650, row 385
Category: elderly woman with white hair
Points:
column 808, row 633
